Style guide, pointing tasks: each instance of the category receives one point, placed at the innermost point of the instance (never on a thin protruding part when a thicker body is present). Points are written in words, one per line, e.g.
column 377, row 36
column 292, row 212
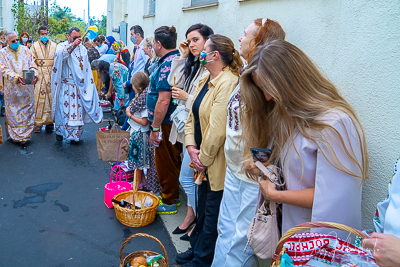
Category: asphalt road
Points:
column 52, row 211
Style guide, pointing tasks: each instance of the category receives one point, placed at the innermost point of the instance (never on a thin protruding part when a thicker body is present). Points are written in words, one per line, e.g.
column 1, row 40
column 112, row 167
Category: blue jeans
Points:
column 2, row 100
column 186, row 178
column 238, row 207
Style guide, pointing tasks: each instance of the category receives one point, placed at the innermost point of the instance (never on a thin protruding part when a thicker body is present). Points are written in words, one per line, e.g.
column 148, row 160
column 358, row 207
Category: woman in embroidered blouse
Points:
column 187, row 71
column 239, row 202
column 204, row 139
column 316, row 136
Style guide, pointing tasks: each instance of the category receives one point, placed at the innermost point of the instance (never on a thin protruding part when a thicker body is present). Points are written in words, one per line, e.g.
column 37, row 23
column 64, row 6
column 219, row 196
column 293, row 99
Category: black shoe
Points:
column 74, row 142
column 185, row 237
column 185, row 257
column 49, row 127
column 178, row 230
column 59, row 137
column 24, row 143
column 2, row 112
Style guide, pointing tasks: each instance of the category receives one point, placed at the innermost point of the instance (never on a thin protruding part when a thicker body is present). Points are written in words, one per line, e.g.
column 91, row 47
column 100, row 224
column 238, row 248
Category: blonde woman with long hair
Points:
column 316, row 136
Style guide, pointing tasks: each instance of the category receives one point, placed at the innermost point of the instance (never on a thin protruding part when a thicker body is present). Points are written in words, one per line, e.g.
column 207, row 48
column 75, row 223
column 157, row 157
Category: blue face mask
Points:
column 44, row 39
column 134, row 40
column 203, row 55
column 14, row 46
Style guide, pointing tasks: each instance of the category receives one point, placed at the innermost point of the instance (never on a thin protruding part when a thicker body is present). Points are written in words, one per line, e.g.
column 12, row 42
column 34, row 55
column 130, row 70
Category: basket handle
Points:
column 135, row 186
column 119, row 146
column 308, row 225
column 143, row 235
column 118, row 174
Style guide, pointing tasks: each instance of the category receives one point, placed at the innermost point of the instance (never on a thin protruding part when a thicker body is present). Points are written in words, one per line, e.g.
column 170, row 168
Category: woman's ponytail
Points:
column 236, row 64
column 229, row 55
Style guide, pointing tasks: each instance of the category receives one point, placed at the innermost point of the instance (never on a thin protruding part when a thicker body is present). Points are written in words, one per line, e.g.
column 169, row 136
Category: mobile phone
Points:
column 260, row 154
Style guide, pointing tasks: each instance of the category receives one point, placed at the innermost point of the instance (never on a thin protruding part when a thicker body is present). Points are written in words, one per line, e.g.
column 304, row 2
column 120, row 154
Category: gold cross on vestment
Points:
column 80, row 59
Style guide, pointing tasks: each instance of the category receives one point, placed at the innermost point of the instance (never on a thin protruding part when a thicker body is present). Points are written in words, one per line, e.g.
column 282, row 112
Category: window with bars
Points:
column 202, row 2
column 152, row 7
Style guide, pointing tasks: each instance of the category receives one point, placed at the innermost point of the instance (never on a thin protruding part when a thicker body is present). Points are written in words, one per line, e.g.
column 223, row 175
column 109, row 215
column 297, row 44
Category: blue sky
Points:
column 97, row 7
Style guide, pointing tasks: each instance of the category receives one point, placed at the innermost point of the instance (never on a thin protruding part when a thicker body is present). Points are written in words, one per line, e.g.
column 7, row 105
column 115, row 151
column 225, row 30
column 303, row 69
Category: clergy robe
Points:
column 19, row 98
column 75, row 99
column 44, row 59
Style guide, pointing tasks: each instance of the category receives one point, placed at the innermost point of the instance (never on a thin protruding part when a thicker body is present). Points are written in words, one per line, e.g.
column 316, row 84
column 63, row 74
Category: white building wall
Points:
column 8, row 18
column 356, row 43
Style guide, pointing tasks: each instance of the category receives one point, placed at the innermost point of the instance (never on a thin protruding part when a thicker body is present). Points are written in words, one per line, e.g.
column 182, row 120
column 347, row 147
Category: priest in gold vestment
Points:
column 43, row 52
column 18, row 96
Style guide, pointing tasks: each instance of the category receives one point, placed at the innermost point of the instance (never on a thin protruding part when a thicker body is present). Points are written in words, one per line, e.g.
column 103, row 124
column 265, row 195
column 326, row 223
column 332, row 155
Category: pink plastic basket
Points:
column 114, row 188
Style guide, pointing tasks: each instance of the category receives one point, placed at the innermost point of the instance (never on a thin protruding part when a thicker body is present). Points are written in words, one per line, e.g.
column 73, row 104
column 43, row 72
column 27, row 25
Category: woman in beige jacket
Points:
column 205, row 137
column 186, row 72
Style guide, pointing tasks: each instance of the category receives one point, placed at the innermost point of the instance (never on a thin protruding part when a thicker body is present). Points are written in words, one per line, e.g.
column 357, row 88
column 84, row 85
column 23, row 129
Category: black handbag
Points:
column 121, row 116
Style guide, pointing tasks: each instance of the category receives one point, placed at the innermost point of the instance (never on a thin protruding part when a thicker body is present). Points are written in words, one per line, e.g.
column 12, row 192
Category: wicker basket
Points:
column 163, row 262
column 280, row 250
column 136, row 217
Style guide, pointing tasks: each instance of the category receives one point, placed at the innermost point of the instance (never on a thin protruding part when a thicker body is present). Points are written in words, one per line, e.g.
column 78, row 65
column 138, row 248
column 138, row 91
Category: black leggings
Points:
column 204, row 235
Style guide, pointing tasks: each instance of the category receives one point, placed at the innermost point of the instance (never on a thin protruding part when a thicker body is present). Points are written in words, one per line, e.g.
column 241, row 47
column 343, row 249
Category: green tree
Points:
column 81, row 25
column 102, row 25
column 59, row 13
column 27, row 18
column 58, row 27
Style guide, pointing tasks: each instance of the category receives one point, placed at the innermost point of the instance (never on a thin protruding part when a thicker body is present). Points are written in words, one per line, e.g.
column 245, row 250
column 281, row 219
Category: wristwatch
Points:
column 153, row 129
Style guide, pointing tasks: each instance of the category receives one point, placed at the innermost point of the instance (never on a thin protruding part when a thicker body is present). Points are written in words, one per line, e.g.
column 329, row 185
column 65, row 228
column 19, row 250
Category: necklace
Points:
column 80, row 58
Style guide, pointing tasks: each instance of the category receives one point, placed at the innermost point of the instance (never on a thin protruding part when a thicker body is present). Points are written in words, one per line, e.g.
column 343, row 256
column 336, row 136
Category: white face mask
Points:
column 24, row 39
column 2, row 41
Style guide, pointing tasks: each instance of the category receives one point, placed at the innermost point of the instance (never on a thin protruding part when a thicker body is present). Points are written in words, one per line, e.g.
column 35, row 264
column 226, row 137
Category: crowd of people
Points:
column 194, row 113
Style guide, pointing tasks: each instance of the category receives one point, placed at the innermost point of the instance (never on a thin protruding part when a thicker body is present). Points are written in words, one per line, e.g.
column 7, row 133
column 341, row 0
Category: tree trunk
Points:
column 41, row 15
column 47, row 13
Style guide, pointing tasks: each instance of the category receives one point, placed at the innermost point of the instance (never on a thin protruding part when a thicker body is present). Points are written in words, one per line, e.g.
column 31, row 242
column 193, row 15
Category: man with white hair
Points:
column 74, row 94
column 19, row 96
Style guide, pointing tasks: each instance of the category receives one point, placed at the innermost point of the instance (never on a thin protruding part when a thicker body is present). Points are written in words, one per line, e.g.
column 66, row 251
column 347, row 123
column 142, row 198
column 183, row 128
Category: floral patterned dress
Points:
column 119, row 74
